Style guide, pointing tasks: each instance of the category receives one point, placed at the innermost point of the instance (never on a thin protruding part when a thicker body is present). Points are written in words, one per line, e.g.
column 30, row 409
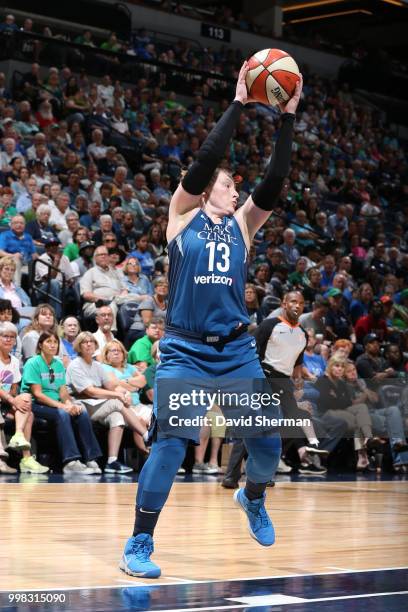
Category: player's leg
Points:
column 155, row 481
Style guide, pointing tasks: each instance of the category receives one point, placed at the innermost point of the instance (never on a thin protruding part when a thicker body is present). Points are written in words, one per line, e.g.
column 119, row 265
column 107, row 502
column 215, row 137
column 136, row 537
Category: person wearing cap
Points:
column 84, row 262
column 337, row 322
column 370, row 365
column 50, row 279
column 374, row 322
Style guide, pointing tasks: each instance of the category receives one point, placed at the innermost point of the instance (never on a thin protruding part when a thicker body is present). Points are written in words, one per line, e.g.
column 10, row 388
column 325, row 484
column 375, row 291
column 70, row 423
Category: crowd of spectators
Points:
column 91, row 216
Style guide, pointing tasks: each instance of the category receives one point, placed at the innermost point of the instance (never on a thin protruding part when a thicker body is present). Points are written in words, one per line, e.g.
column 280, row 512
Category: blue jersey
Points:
column 207, row 276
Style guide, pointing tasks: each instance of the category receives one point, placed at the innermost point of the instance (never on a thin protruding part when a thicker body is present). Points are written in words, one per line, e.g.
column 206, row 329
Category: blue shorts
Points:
column 183, row 362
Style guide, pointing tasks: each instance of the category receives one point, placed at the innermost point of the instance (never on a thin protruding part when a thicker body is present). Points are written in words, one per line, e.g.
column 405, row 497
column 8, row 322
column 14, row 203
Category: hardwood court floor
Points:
column 71, row 535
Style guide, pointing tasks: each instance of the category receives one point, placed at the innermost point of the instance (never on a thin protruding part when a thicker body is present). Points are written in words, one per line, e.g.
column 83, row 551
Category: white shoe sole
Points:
column 124, row 568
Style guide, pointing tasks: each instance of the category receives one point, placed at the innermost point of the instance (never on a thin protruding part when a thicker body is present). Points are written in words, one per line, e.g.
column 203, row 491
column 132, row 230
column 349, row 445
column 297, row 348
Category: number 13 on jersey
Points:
column 219, row 251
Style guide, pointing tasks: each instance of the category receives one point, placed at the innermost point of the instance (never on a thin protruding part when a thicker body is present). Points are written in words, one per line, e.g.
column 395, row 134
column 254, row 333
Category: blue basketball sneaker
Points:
column 259, row 524
column 136, row 557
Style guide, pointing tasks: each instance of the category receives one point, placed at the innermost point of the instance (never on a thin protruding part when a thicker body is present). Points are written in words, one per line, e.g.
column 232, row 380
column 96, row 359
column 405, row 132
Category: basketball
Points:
column 272, row 76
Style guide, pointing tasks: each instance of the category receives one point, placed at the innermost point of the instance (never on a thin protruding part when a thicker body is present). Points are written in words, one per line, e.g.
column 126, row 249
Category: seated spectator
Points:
column 114, row 359
column 16, row 406
column 7, row 210
column 328, row 271
column 131, row 204
column 92, row 219
column 313, row 288
column 43, row 321
column 102, row 282
column 84, row 262
column 141, row 350
column 10, row 315
column 400, row 319
column 361, row 305
column 289, row 249
column 314, row 365
column 337, row 322
column 298, row 278
column 335, row 400
column 80, row 235
column 40, row 229
column 66, row 236
column 70, row 328
column 386, row 420
column 44, row 378
column 374, row 323
column 342, row 348
column 51, row 279
column 152, row 307
column 58, row 219
column 8, row 290
column 19, row 244
column 97, row 150
column 103, row 335
column 137, row 284
column 157, row 241
column 315, row 320
column 252, row 304
column 106, row 402
column 143, row 255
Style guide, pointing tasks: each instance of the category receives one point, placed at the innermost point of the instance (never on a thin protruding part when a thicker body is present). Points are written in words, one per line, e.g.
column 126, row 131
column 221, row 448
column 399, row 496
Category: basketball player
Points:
column 206, row 328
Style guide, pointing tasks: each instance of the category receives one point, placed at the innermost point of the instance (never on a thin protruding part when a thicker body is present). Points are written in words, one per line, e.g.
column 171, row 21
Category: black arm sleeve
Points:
column 266, row 194
column 212, row 150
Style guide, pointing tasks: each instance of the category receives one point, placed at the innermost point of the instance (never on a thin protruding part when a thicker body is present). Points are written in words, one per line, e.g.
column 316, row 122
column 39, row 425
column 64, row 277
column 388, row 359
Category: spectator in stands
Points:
column 8, row 290
column 335, row 400
column 85, row 261
column 43, row 321
column 40, row 230
column 328, row 271
column 19, row 244
column 97, row 150
column 24, row 202
column 141, row 351
column 106, row 401
column 386, row 420
column 70, row 328
column 137, row 284
column 79, row 235
column 72, row 219
column 315, row 320
column 288, row 247
column 374, row 322
column 101, row 282
column 252, row 304
column 92, row 219
column 361, row 305
column 17, row 406
column 7, row 210
column 58, row 218
column 131, row 204
column 114, row 359
column 44, row 378
column 337, row 322
column 103, row 335
column 144, row 256
column 152, row 307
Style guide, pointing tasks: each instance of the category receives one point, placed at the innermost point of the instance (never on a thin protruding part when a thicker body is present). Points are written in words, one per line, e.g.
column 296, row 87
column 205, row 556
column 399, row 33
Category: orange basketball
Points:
column 272, row 76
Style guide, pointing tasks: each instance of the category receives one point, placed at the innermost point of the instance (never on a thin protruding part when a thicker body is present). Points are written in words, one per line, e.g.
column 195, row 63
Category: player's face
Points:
column 223, row 196
column 293, row 305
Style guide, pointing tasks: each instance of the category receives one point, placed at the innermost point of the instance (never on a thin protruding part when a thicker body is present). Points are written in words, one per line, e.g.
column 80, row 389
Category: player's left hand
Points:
column 291, row 105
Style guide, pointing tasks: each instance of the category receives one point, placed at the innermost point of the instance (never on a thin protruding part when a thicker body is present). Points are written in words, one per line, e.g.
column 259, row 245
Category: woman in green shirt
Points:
column 44, row 378
column 79, row 235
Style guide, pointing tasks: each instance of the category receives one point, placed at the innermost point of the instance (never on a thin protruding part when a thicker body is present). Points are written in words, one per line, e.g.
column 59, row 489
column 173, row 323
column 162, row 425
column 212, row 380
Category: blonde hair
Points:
column 7, row 261
column 333, row 361
column 85, row 335
column 108, row 347
column 35, row 322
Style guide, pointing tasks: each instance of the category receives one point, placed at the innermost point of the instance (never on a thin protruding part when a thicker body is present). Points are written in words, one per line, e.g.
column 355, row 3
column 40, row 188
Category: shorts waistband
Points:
column 209, row 338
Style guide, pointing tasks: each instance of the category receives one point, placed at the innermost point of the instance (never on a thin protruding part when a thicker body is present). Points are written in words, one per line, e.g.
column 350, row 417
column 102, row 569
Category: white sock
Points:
column 112, row 459
column 314, row 441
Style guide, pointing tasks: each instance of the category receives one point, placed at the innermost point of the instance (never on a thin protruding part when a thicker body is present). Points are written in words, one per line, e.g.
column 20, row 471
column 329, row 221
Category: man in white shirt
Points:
column 103, row 335
column 51, row 281
column 58, row 211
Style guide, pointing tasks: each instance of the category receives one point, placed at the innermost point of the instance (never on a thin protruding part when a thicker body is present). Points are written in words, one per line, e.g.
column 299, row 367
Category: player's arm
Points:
column 257, row 209
column 188, row 194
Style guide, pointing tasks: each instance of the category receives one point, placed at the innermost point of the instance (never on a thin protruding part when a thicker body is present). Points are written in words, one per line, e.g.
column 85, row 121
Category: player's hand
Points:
column 241, row 92
column 291, row 105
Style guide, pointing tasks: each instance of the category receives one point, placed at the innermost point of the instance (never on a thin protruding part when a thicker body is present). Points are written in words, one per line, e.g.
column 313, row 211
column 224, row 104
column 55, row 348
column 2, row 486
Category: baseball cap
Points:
column 333, row 292
column 370, row 338
column 86, row 244
column 52, row 240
